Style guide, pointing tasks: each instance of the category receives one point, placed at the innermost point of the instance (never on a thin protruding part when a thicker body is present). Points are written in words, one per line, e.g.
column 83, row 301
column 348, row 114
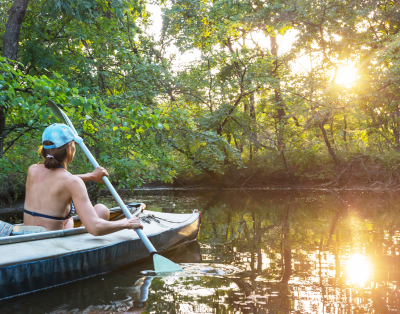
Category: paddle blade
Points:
column 60, row 115
column 164, row 265
column 56, row 111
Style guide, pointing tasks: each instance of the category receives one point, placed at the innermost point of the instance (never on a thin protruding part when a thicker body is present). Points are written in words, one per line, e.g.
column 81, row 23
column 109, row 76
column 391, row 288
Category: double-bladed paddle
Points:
column 161, row 264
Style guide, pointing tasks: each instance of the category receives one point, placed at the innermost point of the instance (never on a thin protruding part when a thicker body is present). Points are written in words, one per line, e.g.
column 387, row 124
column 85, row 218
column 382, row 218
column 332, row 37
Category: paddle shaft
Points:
column 63, row 117
column 126, row 211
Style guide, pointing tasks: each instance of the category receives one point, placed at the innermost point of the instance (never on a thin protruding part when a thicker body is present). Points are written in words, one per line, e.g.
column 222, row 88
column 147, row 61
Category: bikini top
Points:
column 71, row 212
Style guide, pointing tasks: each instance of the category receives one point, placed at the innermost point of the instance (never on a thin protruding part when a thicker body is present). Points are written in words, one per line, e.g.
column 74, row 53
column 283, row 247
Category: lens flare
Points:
column 358, row 269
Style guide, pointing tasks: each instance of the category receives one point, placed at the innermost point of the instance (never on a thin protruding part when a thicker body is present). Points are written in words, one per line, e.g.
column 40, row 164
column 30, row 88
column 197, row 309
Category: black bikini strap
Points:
column 59, row 166
column 44, row 216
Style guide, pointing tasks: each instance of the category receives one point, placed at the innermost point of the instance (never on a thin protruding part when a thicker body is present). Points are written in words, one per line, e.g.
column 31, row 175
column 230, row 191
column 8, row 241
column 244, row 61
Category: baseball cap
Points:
column 60, row 134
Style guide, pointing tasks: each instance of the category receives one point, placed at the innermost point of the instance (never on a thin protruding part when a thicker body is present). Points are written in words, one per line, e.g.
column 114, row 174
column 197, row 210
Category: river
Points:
column 257, row 252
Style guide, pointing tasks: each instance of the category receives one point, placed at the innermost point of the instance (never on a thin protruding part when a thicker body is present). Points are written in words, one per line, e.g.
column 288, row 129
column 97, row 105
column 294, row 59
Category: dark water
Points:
column 258, row 252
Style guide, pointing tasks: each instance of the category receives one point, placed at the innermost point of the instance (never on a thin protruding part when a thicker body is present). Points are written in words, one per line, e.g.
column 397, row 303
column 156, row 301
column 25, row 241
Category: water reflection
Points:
column 258, row 252
column 141, row 290
column 358, row 269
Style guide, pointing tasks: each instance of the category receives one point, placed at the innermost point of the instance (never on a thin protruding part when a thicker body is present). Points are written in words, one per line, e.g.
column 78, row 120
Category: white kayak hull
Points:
column 42, row 263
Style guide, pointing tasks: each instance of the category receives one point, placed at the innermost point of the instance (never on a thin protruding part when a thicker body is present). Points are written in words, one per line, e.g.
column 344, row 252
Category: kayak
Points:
column 32, row 262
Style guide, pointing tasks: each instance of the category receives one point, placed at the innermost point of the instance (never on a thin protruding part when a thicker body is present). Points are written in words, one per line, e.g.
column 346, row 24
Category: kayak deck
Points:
column 57, row 243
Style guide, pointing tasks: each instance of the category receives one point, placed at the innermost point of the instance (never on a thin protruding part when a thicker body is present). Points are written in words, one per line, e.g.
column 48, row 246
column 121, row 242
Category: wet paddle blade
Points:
column 164, row 265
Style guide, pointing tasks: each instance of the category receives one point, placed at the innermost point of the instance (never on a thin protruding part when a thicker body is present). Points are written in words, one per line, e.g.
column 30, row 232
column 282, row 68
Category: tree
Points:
column 10, row 49
column 110, row 92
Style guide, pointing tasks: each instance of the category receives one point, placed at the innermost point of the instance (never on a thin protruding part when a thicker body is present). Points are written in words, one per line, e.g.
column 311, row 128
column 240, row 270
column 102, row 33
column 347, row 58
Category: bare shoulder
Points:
column 76, row 188
column 73, row 182
column 35, row 167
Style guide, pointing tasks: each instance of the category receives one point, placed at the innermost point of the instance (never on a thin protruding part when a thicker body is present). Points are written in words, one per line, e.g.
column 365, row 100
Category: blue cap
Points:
column 59, row 134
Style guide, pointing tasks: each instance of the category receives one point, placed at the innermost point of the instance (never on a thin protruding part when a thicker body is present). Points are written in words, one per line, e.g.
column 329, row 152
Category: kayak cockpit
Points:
column 19, row 233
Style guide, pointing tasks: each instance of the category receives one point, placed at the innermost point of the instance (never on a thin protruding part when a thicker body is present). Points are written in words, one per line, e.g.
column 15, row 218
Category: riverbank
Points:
column 15, row 210
column 356, row 175
column 361, row 173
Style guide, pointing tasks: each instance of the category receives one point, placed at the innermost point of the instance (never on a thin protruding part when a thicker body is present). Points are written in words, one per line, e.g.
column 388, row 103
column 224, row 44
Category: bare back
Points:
column 50, row 192
column 47, row 193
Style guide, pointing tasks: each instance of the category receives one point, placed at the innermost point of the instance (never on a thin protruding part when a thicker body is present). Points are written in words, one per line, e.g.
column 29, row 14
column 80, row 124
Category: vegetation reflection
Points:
column 325, row 253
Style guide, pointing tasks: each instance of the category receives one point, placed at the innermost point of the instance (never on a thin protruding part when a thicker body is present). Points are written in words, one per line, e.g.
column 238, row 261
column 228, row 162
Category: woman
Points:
column 50, row 189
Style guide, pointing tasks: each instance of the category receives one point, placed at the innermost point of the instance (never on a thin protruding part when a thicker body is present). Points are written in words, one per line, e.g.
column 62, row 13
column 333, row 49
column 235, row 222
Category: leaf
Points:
column 75, row 102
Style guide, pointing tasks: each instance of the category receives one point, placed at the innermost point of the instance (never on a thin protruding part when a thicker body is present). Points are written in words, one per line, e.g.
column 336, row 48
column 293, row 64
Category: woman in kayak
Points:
column 52, row 192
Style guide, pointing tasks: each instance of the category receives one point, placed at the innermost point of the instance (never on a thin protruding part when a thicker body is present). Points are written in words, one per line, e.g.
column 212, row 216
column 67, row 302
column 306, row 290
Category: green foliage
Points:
column 24, row 99
column 267, row 103
column 242, row 103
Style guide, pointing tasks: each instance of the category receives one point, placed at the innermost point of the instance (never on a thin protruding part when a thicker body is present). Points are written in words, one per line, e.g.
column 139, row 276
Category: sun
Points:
column 346, row 76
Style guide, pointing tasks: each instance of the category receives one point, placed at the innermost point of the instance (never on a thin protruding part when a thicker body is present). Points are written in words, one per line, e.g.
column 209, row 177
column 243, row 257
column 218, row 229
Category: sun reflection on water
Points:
column 358, row 269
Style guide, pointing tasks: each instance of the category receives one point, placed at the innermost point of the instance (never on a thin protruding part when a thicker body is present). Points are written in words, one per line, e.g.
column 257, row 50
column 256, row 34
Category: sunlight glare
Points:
column 358, row 269
column 345, row 75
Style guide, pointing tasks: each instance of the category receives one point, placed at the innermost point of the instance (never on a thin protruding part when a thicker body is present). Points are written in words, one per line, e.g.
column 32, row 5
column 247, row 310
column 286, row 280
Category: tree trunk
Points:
column 2, row 127
column 10, row 49
column 253, row 125
column 287, row 249
column 245, row 109
column 328, row 144
column 396, row 135
column 333, row 226
column 102, row 84
column 287, row 254
column 278, row 101
column 279, row 104
column 345, row 134
column 13, row 27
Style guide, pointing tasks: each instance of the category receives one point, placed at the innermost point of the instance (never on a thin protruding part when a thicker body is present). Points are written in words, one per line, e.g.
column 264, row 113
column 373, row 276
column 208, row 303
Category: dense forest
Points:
column 278, row 92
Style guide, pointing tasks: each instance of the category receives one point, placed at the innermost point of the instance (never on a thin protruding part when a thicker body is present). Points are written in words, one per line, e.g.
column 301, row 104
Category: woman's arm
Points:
column 97, row 175
column 95, row 225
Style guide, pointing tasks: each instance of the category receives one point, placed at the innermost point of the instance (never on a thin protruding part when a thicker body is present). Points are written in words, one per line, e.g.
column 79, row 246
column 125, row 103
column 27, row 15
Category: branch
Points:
column 16, row 139
column 336, row 181
column 15, row 166
column 385, row 137
column 216, row 176
column 15, row 126
column 28, row 90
